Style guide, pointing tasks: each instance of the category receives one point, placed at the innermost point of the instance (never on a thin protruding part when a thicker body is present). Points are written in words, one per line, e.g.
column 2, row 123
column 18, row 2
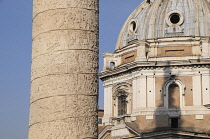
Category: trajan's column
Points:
column 64, row 83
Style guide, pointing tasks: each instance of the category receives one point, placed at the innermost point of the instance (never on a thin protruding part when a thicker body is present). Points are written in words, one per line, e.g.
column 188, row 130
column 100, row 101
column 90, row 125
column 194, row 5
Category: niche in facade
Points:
column 174, row 96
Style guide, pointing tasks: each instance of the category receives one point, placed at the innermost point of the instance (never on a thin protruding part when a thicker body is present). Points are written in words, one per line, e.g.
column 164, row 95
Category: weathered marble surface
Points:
column 64, row 81
column 151, row 20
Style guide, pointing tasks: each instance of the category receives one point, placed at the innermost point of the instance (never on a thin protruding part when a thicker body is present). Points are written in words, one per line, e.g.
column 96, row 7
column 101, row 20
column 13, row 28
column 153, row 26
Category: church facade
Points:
column 157, row 81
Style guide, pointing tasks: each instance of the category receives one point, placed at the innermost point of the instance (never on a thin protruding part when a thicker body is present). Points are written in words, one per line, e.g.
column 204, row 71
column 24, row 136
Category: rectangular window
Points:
column 99, row 121
column 122, row 106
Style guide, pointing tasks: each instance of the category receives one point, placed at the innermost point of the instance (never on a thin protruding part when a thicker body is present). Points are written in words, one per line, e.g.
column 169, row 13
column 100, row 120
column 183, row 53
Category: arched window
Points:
column 122, row 105
column 112, row 65
column 121, row 99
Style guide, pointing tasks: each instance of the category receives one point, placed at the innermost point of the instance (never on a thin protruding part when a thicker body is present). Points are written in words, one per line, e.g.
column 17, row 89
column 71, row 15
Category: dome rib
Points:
column 151, row 18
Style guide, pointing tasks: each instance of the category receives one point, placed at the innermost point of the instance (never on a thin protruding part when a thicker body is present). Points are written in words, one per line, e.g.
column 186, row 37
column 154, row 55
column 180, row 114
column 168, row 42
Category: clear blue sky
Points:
column 15, row 57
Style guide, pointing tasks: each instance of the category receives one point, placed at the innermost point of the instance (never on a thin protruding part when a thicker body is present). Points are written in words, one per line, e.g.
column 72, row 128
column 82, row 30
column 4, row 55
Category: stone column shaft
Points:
column 64, row 81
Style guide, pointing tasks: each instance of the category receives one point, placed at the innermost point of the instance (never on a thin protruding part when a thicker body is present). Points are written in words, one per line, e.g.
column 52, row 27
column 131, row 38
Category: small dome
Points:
column 166, row 18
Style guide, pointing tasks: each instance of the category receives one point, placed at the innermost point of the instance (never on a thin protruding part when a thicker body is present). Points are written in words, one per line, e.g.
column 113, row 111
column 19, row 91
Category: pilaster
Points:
column 197, row 90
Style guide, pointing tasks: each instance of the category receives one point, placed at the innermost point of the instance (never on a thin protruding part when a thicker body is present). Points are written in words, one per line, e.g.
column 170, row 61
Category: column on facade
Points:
column 138, row 103
column 135, row 95
column 107, row 104
column 141, row 52
column 205, row 89
column 197, row 89
column 150, row 91
column 142, row 91
column 205, row 49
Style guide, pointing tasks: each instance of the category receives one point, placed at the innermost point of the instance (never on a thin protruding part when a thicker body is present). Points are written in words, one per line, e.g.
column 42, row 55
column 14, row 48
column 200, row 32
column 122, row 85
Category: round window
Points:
column 175, row 18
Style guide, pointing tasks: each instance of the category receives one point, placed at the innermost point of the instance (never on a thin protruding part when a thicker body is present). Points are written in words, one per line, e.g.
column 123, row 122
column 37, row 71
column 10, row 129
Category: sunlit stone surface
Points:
column 64, row 82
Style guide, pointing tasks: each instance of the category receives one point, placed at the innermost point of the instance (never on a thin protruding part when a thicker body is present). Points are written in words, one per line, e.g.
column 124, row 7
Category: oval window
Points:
column 133, row 26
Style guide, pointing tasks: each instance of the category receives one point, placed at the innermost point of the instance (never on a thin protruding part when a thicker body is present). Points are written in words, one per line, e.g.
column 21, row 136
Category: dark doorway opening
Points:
column 174, row 122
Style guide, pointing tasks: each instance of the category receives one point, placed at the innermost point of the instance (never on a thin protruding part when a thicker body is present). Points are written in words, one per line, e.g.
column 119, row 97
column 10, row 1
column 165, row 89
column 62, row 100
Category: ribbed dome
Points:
column 166, row 18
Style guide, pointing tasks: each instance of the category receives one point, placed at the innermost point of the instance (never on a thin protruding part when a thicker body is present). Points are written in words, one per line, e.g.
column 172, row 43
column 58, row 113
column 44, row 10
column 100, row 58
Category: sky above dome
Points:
column 15, row 57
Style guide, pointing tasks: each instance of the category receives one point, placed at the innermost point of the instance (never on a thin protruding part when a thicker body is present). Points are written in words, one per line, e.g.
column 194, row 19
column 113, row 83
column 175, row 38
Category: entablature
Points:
column 155, row 67
column 162, row 49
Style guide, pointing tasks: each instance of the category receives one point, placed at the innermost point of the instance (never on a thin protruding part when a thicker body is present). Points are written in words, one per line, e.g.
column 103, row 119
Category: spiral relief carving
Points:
column 64, row 80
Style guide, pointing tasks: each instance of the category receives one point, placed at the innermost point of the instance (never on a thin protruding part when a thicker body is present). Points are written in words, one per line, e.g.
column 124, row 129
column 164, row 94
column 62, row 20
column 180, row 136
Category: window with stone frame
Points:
column 122, row 105
column 121, row 99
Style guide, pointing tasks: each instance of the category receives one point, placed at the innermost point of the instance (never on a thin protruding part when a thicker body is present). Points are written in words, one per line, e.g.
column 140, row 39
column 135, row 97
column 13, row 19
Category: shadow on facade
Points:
column 167, row 116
